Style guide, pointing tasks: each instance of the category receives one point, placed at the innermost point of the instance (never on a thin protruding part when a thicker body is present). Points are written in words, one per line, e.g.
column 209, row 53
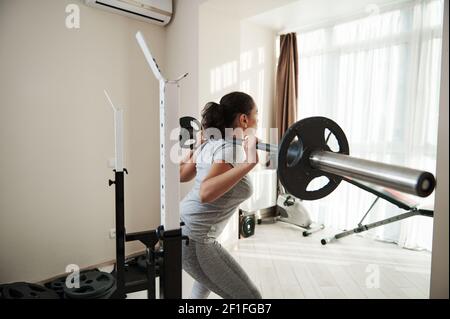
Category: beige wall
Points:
column 56, row 135
column 439, row 262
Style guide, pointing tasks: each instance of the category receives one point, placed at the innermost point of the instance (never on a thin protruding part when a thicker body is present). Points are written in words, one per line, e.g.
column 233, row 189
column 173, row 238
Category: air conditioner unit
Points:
column 155, row 11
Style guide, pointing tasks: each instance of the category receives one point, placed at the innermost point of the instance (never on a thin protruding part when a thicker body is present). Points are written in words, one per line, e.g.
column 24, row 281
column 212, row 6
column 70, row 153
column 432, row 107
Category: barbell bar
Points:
column 304, row 155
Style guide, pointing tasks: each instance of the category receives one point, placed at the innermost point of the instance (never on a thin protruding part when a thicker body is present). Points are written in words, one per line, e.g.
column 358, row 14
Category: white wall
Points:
column 257, row 71
column 439, row 262
column 56, row 135
column 182, row 52
column 219, row 52
column 182, row 55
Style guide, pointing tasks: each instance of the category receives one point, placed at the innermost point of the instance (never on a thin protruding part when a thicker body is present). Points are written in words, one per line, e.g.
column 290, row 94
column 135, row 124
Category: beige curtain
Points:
column 287, row 83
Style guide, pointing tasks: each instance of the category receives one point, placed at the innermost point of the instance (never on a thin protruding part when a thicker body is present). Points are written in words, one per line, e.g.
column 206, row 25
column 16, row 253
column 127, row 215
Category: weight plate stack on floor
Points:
column 57, row 286
column 26, row 290
column 94, row 284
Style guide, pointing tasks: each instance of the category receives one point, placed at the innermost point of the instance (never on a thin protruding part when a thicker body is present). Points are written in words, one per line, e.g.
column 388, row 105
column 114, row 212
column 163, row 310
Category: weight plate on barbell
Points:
column 25, row 290
column 300, row 140
column 93, row 284
column 189, row 127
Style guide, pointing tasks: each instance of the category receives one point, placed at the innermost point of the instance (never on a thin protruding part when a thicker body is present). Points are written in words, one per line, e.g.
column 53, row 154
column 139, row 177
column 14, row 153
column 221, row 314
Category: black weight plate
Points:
column 93, row 284
column 25, row 290
column 189, row 126
column 294, row 168
column 57, row 286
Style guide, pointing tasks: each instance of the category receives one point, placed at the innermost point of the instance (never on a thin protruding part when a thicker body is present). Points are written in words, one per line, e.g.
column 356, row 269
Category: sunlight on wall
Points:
column 245, row 86
column 246, row 61
column 261, row 56
column 260, row 103
column 223, row 77
column 252, row 82
column 251, row 78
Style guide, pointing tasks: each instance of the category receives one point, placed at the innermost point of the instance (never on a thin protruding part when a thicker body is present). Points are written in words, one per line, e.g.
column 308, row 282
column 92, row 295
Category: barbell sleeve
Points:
column 403, row 179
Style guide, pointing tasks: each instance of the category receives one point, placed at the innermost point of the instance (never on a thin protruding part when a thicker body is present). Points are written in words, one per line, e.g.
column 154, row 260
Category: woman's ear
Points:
column 243, row 119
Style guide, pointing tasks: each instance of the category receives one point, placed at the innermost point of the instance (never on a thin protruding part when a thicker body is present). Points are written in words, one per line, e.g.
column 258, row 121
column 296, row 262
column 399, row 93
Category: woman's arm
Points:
column 221, row 178
column 187, row 168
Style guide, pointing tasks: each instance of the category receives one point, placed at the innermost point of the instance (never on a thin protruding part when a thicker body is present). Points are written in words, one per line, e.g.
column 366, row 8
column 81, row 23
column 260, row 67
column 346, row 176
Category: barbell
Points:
column 304, row 155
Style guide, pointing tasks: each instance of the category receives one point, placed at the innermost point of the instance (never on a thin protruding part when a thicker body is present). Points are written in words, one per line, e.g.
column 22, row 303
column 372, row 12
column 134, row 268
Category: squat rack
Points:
column 167, row 258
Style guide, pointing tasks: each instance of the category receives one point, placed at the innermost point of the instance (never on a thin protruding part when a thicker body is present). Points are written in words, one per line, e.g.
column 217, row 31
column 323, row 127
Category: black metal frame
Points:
column 380, row 193
column 167, row 257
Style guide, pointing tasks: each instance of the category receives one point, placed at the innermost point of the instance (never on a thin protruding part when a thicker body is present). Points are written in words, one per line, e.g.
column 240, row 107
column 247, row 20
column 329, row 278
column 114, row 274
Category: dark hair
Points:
column 222, row 115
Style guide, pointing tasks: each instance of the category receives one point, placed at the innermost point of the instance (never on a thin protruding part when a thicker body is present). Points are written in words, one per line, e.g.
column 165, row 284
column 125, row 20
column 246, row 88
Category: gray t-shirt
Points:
column 204, row 222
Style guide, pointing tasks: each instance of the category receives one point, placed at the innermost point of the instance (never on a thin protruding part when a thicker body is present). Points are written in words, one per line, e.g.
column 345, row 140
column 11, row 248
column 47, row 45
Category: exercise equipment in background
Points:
column 291, row 211
column 402, row 201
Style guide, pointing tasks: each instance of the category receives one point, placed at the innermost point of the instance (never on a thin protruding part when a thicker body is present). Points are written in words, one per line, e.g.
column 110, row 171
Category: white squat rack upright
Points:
column 169, row 233
column 169, row 121
column 167, row 259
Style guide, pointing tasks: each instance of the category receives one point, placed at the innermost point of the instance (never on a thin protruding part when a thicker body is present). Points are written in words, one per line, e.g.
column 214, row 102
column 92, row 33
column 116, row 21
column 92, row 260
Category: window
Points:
column 378, row 78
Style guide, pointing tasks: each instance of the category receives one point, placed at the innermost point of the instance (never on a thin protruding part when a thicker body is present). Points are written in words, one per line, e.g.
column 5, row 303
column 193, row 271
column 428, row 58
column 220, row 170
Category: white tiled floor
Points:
column 284, row 264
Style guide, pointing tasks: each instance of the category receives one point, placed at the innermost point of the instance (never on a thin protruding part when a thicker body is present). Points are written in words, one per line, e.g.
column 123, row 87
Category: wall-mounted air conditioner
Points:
column 155, row 11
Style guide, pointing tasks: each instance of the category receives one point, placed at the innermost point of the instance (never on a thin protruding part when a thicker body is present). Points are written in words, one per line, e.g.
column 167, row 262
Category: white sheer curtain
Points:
column 378, row 78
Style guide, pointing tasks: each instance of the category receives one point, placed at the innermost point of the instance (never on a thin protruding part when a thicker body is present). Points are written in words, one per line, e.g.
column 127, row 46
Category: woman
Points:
column 221, row 185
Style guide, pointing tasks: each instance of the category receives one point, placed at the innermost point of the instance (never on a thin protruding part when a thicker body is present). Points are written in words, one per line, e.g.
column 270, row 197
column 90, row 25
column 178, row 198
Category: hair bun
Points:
column 222, row 115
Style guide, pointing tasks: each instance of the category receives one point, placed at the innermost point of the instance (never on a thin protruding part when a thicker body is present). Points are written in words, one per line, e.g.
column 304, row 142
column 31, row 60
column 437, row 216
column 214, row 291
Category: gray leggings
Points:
column 214, row 269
